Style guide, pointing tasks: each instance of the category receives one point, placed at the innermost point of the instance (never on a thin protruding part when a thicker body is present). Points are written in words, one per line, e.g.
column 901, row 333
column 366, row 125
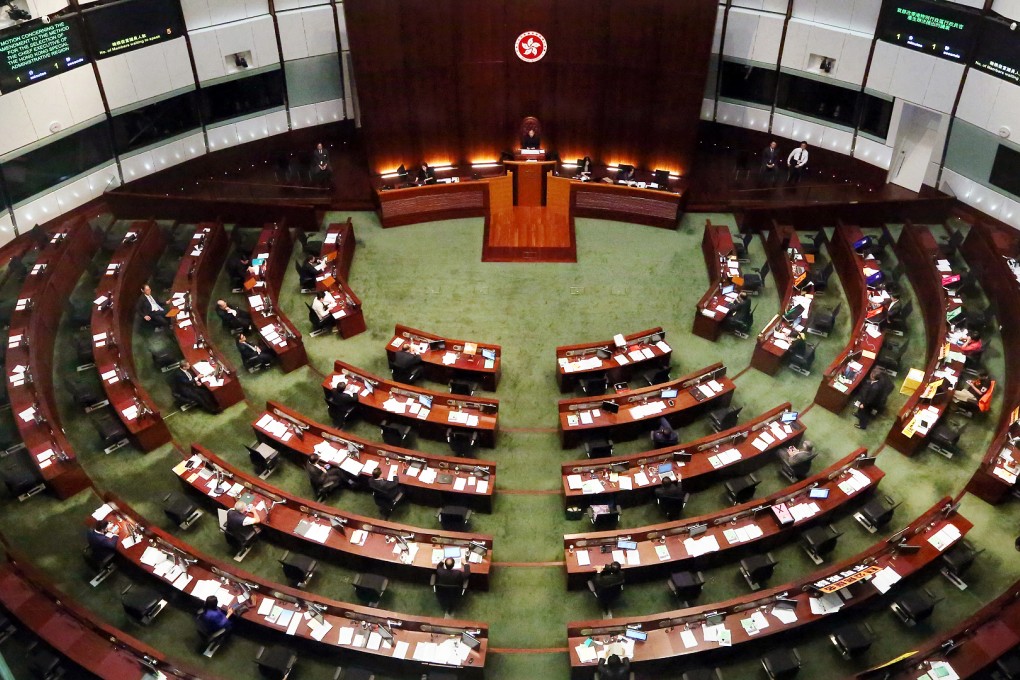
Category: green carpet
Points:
column 627, row 278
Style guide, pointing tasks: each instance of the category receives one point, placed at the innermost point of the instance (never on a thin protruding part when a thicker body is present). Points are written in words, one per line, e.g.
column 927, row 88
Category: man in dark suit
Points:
column 233, row 319
column 664, row 435
column 426, row 175
column 322, row 170
column 102, row 539
column 871, row 397
column 252, row 354
column 531, row 140
column 770, row 159
column 626, row 174
column 740, row 312
column 388, row 488
column 670, row 497
column 611, row 576
column 150, row 311
column 237, row 268
column 614, row 668
column 323, row 476
column 447, row 573
column 186, row 384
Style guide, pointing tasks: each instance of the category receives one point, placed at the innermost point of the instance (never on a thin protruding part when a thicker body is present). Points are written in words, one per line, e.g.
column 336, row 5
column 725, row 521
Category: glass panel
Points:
column 748, row 83
column 47, row 166
column 824, row 101
column 147, row 125
column 875, row 115
column 240, row 97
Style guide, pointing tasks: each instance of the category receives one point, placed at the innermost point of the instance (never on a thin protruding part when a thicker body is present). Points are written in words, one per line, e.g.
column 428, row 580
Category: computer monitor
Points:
column 728, row 288
column 661, row 177
column 610, row 407
column 470, row 640
column 819, row 493
column 435, row 345
column 669, row 393
column 489, row 353
column 665, row 468
column 635, row 634
column 862, row 243
column 624, row 544
column 715, row 618
column 386, row 635
column 874, row 279
column 789, row 417
column 793, row 313
column 785, row 603
column 907, row 548
column 425, row 400
column 452, row 551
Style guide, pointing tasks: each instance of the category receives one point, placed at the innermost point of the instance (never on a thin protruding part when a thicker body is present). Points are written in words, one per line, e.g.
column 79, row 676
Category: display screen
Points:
column 936, row 28
column 38, row 53
column 998, row 51
column 1006, row 170
column 125, row 26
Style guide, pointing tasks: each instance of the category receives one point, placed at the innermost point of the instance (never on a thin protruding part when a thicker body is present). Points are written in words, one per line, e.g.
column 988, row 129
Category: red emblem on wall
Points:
column 530, row 46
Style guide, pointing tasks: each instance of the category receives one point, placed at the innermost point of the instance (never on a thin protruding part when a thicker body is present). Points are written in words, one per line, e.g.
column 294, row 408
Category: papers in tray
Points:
column 944, row 537
column 701, row 546
column 885, row 579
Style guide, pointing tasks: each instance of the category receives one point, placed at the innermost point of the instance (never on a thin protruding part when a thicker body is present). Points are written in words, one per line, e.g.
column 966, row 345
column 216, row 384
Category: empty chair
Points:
column 781, row 663
column 6, row 311
column 112, row 433
column 957, row 560
column 896, row 323
column 370, row 588
column 702, row 674
column 353, row 673
column 914, row 605
column 598, row 447
column 724, row 418
column 876, row 513
column 740, row 244
column 757, row 569
column 890, row 357
column 454, row 517
column 891, row 279
column 819, row 277
column 264, row 459
column 101, row 564
column 87, row 395
column 755, row 281
column 823, row 320
column 44, row 663
column 741, row 489
column 604, row 516
column 311, row 244
column 79, row 313
column 813, row 245
column 181, row 510
column 275, row 662
column 142, row 604
column 463, row 387
column 298, row 569
column 945, row 438
column 949, row 245
column 83, row 349
column 396, row 434
column 852, row 639
column 406, row 367
column 594, row 386
column 801, row 357
column 462, row 443
column 20, row 476
column 165, row 355
column 819, row 541
column 240, row 539
column 685, row 585
column 656, row 375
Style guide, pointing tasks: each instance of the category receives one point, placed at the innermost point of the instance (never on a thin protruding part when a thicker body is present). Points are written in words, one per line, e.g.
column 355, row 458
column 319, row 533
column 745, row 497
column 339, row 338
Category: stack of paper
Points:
column 701, row 546
column 944, row 537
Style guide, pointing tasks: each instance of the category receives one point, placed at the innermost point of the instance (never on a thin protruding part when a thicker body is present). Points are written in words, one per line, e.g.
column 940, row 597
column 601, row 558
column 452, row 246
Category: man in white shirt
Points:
column 322, row 306
column 797, row 161
column 151, row 312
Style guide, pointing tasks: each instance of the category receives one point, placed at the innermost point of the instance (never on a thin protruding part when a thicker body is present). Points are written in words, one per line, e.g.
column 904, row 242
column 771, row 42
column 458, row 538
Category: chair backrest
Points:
column 221, row 517
column 764, row 271
column 835, row 310
column 818, row 238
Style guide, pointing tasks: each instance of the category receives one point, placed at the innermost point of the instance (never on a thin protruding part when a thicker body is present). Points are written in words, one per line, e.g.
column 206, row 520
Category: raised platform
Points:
column 529, row 234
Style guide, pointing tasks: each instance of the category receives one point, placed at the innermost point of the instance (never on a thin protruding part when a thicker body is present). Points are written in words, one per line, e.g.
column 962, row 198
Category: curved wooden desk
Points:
column 462, row 364
column 190, row 576
column 600, row 200
column 720, row 260
column 788, row 262
column 751, row 527
column 338, row 251
column 195, row 278
column 322, row 529
column 639, row 352
column 113, row 321
column 76, row 633
column 632, row 479
column 33, row 331
column 469, row 483
column 665, row 630
column 918, row 251
column 433, row 202
column 263, row 291
column 381, row 400
column 640, row 409
column 866, row 339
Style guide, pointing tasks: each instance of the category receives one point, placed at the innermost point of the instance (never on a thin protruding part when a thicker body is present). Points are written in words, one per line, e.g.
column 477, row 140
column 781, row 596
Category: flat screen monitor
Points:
column 635, row 634
column 785, row 603
column 435, row 345
column 669, row 393
column 425, row 400
column 997, row 52
column 34, row 54
column 624, row 544
column 1006, row 170
column 132, row 24
column 470, row 640
column 942, row 29
column 661, row 177
column 611, row 407
column 489, row 354
column 819, row 493
column 728, row 288
column 789, row 416
column 794, row 313
column 665, row 468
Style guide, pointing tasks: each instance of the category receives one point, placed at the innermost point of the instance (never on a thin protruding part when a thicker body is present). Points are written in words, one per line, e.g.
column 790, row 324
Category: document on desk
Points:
column 400, row 651
column 633, row 558
column 662, row 552
column 663, row 347
column 885, row 579
column 689, row 639
column 586, row 418
column 583, row 558
column 586, row 653
column 826, row 604
column 944, row 537
column 574, row 482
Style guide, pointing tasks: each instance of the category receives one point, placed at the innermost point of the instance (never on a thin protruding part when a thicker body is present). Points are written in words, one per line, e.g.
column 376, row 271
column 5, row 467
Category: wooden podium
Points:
column 529, row 181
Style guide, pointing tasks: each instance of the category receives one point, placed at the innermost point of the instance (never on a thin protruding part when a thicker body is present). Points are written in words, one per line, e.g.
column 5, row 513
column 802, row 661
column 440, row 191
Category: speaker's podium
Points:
column 529, row 171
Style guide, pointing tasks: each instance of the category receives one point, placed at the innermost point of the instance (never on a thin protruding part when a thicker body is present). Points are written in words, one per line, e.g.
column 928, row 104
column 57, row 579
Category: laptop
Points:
column 789, row 416
column 452, row 551
column 635, row 634
column 665, row 468
column 425, row 400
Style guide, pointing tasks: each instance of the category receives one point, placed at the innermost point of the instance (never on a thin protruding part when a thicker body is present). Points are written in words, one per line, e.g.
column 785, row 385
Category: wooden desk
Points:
column 193, row 283
column 652, row 207
column 381, row 400
column 729, row 532
column 77, row 634
column 788, row 262
column 918, row 251
column 338, row 251
column 866, row 339
column 112, row 328
column 971, row 647
column 637, row 413
column 470, row 483
column 664, row 646
column 640, row 352
column 529, row 180
column 263, row 291
column 633, row 479
column 467, row 366
column 417, row 631
column 433, row 202
column 208, row 475
column 723, row 267
column 31, row 338
column 986, row 252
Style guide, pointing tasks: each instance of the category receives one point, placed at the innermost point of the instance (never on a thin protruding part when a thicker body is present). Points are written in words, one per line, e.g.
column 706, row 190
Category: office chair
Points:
column 454, row 517
column 957, row 560
column 86, row 395
column 974, row 364
column 396, row 434
column 6, row 311
column 101, row 565
column 949, row 245
column 407, row 374
column 165, row 356
column 892, row 277
column 757, row 569
column 914, row 606
column 370, row 588
column 7, row 628
column 342, row 408
column 741, row 489
column 44, row 663
column 740, row 244
column 606, row 596
column 82, row 349
column 739, row 326
column 306, row 283
column 604, row 517
column 323, row 491
column 240, row 541
column 79, row 313
column 801, row 357
column 311, row 244
column 724, row 418
column 449, row 595
column 781, row 663
column 754, row 281
column 656, row 376
column 20, row 475
column 852, row 639
column 112, row 433
column 819, row 541
column 264, row 459
column 672, row 508
column 182, row 400
column 876, row 513
column 353, row 673
column 944, row 438
column 890, row 357
column 813, row 245
column 702, row 674
column 463, row 444
column 163, row 278
column 387, row 504
column 594, row 386
column 685, row 586
column 298, row 569
column 275, row 662
column 823, row 321
column 799, row 470
column 142, row 604
column 819, row 276
column 598, row 447
column 877, row 247
column 463, row 387
column 319, row 326
column 181, row 510
column 5, row 398
column 898, row 315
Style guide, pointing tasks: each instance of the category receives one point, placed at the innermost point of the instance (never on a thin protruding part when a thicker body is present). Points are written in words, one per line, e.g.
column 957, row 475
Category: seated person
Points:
column 447, row 573
column 212, row 619
column 240, row 516
column 322, row 475
column 322, row 305
column 186, row 383
column 878, row 295
column 252, row 353
column 406, row 358
column 972, row 392
column 426, row 175
column 387, row 488
column 626, row 174
column 871, row 397
column 233, row 319
column 740, row 312
column 309, row 270
column 584, row 170
column 614, row 667
column 102, row 539
column 664, row 435
column 151, row 312
column 611, row 576
column 237, row 268
column 531, row 140
column 972, row 344
column 794, row 455
column 670, row 496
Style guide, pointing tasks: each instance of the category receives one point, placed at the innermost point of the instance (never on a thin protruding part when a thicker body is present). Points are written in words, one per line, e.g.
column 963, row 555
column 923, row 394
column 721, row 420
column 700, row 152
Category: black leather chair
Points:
column 343, row 409
column 408, row 374
column 598, row 447
column 813, row 245
column 656, row 376
column 264, row 459
column 240, row 540
column 311, row 244
column 754, row 281
column 890, row 357
column 101, row 564
column 819, row 541
column 802, row 356
column 165, row 355
column 370, row 588
column 275, row 662
column 672, row 508
column 85, row 393
column 957, row 561
column 685, row 586
column 852, row 639
column 454, row 517
column 819, row 276
column 387, row 504
column 20, row 475
column 603, row 519
column 724, row 418
column 79, row 313
column 112, row 433
column 396, row 434
column 141, row 603
column 606, row 596
column 594, row 386
column 876, row 513
column 949, row 245
column 945, row 438
column 702, row 674
column 739, row 326
column 463, row 444
column 449, row 595
column 83, row 349
column 741, row 489
column 781, row 663
column 915, row 605
column 463, row 387
column 298, row 569
column 181, row 510
column 44, row 663
column 898, row 315
column 799, row 470
column 757, row 569
column 307, row 283
column 823, row 321
column 740, row 244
